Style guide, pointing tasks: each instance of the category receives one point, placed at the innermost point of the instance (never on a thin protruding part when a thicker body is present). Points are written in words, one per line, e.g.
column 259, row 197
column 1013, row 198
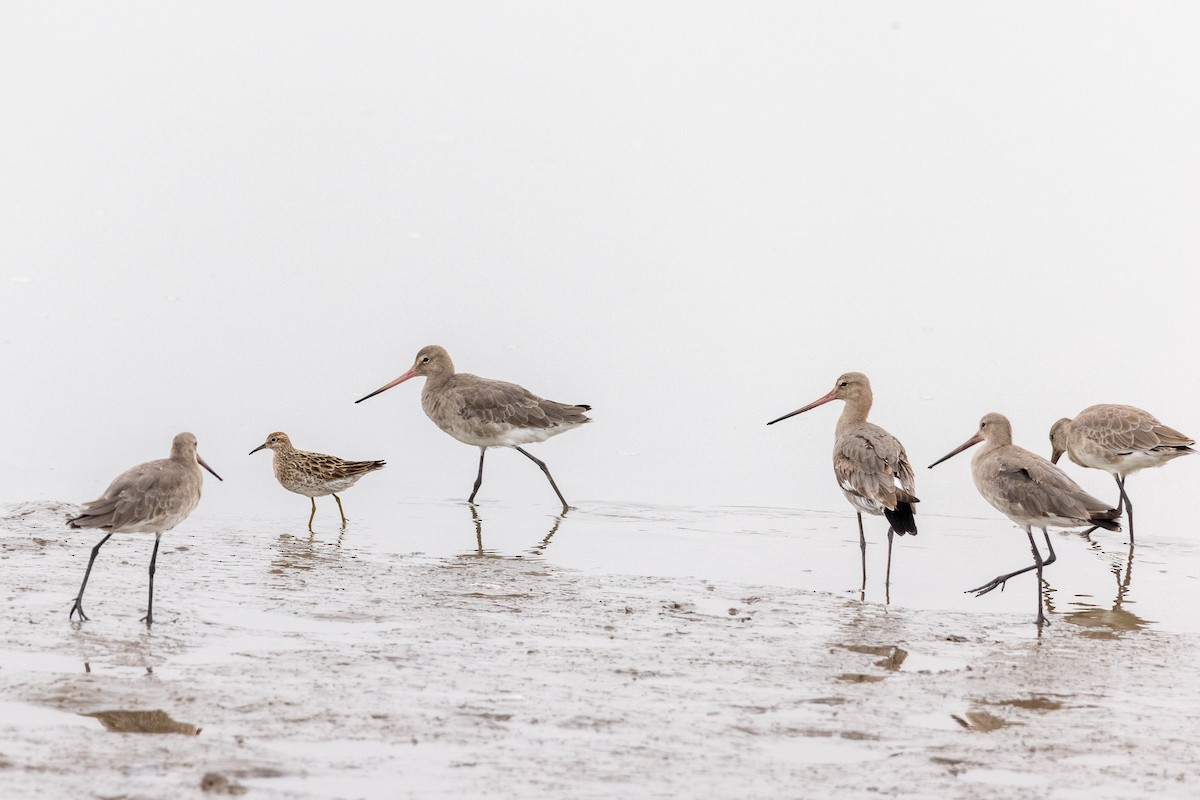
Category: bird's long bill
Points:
column 1055, row 456
column 813, row 404
column 410, row 374
column 974, row 440
column 207, row 467
column 255, row 450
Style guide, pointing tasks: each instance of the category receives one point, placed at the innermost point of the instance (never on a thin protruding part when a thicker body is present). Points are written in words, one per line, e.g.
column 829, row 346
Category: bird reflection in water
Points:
column 1109, row 623
column 537, row 551
column 142, row 722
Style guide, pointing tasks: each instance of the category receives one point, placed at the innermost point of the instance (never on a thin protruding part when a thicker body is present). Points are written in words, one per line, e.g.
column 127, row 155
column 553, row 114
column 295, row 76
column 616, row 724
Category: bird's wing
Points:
column 327, row 468
column 144, row 493
column 869, row 461
column 1016, row 480
column 1127, row 429
column 492, row 402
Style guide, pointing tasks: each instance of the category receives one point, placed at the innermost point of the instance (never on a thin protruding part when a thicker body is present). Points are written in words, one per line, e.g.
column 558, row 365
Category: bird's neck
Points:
column 854, row 413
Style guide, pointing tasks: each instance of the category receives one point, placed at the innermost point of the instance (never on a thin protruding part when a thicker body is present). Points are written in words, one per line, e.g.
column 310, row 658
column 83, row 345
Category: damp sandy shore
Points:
column 351, row 665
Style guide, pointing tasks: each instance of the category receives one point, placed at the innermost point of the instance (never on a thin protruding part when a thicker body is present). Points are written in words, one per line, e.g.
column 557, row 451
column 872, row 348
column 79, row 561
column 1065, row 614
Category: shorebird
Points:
column 487, row 413
column 150, row 498
column 870, row 464
column 314, row 474
column 1031, row 492
column 1119, row 440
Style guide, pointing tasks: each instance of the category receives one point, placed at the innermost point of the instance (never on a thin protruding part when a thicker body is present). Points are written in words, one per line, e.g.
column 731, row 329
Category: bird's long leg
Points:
column 549, row 477
column 340, row 511
column 999, row 581
column 1038, row 563
column 479, row 477
column 313, row 514
column 888, row 578
column 79, row 597
column 149, row 618
column 862, row 546
column 1128, row 506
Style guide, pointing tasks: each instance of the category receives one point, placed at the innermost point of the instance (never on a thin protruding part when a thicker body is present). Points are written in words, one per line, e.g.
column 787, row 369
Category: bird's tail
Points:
column 1107, row 520
column 902, row 518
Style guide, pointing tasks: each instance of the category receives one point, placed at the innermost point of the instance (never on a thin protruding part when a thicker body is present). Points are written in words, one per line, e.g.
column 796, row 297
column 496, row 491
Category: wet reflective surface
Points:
column 142, row 722
column 690, row 649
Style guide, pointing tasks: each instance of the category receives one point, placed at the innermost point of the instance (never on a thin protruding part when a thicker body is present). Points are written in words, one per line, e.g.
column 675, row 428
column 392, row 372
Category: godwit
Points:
column 150, row 498
column 314, row 474
column 870, row 464
column 487, row 413
column 1119, row 440
column 1031, row 492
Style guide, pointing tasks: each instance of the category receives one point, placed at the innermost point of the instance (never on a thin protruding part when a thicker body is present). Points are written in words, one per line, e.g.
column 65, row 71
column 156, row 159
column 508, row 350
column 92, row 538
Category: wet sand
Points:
column 437, row 658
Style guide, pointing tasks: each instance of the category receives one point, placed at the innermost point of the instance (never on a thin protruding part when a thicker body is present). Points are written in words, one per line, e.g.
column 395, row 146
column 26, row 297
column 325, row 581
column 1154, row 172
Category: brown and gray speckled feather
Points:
column 313, row 474
column 1117, row 438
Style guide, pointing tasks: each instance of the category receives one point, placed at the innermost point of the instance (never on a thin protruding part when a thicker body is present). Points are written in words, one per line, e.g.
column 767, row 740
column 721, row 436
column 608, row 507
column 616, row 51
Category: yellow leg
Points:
column 313, row 514
column 340, row 511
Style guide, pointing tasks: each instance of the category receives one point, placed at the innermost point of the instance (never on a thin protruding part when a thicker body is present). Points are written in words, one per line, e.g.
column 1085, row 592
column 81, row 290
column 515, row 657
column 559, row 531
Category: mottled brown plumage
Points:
column 150, row 498
column 1120, row 440
column 314, row 474
column 869, row 463
column 485, row 412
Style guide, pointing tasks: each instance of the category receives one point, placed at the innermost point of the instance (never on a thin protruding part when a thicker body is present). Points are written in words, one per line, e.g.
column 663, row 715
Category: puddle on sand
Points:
column 893, row 656
column 983, row 721
column 142, row 722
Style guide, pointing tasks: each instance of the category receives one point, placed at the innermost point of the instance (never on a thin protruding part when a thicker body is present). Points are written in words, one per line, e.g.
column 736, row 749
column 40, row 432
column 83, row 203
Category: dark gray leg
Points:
column 79, row 597
column 1000, row 580
column 888, row 579
column 149, row 618
column 1128, row 505
column 549, row 477
column 862, row 545
column 1037, row 562
column 479, row 477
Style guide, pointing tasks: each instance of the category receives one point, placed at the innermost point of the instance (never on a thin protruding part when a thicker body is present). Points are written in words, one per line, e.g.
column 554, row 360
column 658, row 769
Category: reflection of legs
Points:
column 313, row 514
column 149, row 618
column 340, row 511
column 549, row 477
column 479, row 477
column 79, row 597
column 1000, row 580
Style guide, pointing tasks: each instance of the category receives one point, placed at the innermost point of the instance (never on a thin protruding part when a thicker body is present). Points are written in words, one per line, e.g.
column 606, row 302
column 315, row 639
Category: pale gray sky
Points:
column 234, row 218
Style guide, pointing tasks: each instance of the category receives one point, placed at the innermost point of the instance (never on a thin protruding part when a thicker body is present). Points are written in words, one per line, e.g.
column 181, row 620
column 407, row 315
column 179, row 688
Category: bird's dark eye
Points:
column 425, row 360
column 844, row 384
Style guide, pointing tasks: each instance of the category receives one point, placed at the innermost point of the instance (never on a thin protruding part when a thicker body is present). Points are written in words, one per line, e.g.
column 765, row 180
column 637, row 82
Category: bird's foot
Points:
column 78, row 606
column 148, row 619
column 994, row 583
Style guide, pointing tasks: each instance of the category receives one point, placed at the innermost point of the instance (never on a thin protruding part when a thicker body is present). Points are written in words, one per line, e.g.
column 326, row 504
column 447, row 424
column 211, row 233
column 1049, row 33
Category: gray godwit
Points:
column 150, row 498
column 487, row 413
column 1119, row 440
column 870, row 464
column 1031, row 492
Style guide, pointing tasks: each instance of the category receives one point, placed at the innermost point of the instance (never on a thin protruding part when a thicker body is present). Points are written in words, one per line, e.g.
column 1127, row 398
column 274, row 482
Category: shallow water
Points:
column 637, row 649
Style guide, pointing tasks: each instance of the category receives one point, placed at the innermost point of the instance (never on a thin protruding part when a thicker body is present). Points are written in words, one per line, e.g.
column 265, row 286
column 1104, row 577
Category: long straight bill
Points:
column 200, row 461
column 974, row 440
column 398, row 381
column 813, row 404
